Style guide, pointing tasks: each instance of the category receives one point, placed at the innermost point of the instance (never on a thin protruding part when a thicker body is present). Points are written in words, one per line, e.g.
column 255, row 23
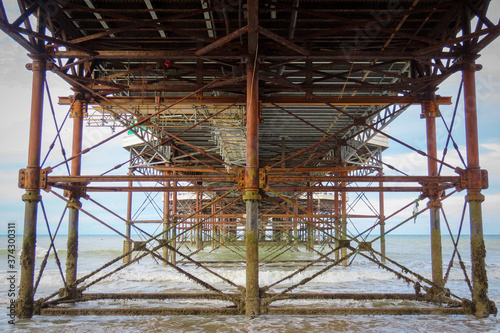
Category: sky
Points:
column 15, row 95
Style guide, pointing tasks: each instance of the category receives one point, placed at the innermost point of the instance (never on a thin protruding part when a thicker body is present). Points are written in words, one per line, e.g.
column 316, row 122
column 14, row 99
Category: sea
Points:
column 150, row 276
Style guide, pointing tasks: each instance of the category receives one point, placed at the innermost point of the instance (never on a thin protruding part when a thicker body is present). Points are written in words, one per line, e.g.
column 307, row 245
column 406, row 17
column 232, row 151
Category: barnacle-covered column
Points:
column 475, row 183
column 32, row 196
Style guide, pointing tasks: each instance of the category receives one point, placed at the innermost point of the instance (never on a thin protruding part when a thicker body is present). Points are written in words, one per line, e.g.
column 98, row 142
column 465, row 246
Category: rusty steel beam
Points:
column 351, row 188
column 222, row 41
column 142, row 178
column 266, row 100
column 359, row 179
column 232, row 177
column 134, row 311
column 190, row 55
column 242, row 215
column 396, row 311
column 276, row 188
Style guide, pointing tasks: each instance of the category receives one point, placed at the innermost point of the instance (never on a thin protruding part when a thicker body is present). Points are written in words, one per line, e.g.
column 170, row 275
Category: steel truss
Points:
column 254, row 141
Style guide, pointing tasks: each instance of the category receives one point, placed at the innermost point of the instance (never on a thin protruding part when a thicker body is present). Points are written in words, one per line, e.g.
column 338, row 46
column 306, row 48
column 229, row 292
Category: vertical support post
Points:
column 166, row 219
column 213, row 223
column 295, row 227
column 343, row 222
column 252, row 196
column 199, row 226
column 283, row 151
column 382, row 218
column 32, row 196
column 430, row 112
column 78, row 112
column 289, row 228
column 173, row 231
column 482, row 305
column 310, row 229
column 336, row 219
column 127, row 243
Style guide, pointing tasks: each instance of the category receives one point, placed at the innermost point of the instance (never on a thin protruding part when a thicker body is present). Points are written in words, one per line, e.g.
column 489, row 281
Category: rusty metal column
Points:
column 430, row 111
column 382, row 218
column 336, row 222
column 199, row 225
column 32, row 195
column 166, row 220
column 343, row 222
column 213, row 222
column 251, row 192
column 482, row 305
column 78, row 112
column 310, row 228
column 173, row 231
column 295, row 226
column 127, row 243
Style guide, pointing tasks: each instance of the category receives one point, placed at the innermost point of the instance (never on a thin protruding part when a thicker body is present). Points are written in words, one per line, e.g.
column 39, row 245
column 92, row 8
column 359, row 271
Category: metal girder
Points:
column 279, row 100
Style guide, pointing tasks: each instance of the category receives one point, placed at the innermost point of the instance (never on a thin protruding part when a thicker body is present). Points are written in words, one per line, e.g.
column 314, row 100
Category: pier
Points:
column 258, row 128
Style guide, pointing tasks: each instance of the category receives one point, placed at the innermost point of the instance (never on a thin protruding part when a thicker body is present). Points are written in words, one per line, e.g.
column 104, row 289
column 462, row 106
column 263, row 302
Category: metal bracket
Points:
column 430, row 109
column 78, row 109
column 262, row 178
column 76, row 193
column 34, row 66
column 241, row 178
column 32, row 178
column 139, row 246
column 365, row 246
column 429, row 190
column 343, row 243
column 472, row 179
column 261, row 117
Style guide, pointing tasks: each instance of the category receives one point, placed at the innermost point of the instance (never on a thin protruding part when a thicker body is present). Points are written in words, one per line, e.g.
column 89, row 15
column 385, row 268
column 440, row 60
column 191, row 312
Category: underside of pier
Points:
column 260, row 125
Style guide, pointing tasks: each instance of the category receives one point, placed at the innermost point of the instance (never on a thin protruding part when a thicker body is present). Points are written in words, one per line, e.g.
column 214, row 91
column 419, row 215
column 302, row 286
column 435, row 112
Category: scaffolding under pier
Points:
column 261, row 125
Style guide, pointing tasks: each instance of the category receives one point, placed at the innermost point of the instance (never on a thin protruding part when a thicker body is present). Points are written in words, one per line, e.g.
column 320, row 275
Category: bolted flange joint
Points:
column 39, row 66
column 32, row 196
column 251, row 195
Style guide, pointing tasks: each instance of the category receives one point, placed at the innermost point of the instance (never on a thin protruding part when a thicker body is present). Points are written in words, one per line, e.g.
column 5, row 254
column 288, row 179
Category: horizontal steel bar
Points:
column 232, row 177
column 53, row 180
column 299, row 189
column 366, row 311
column 96, row 296
column 241, row 215
column 353, row 296
column 189, row 55
column 138, row 311
column 146, row 188
column 369, row 179
column 268, row 101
